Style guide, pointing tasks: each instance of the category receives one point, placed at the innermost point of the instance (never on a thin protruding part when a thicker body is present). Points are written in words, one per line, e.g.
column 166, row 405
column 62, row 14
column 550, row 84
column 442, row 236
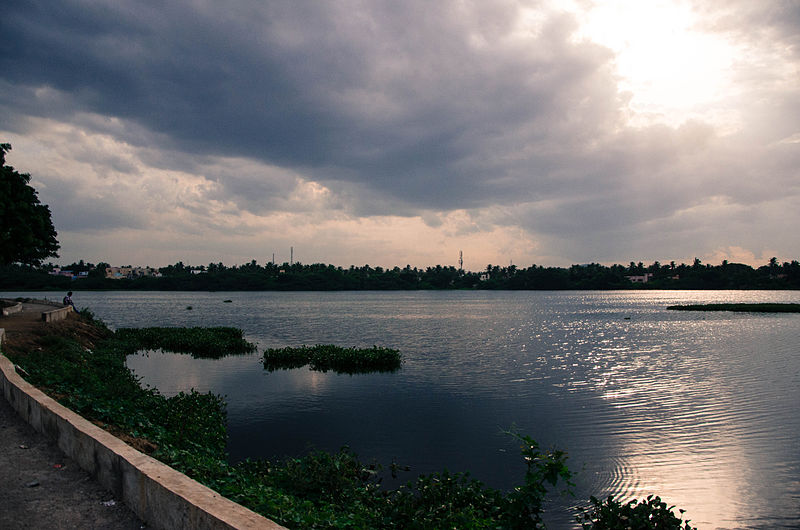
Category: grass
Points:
column 324, row 357
column 743, row 308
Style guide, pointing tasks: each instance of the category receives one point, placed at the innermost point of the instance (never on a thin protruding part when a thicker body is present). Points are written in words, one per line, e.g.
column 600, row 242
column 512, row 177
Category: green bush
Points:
column 445, row 500
column 648, row 514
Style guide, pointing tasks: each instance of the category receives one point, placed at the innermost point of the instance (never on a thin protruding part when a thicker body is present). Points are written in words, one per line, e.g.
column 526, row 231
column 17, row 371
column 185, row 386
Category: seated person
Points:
column 68, row 301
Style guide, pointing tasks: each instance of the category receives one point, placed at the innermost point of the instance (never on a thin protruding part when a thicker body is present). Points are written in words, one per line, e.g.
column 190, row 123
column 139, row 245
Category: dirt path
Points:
column 40, row 488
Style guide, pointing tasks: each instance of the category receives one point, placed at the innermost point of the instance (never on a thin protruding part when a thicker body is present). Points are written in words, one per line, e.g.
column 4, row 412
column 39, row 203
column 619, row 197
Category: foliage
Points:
column 27, row 234
column 750, row 308
column 447, row 500
column 26, row 278
column 320, row 277
column 212, row 342
column 542, row 468
column 650, row 513
column 324, row 357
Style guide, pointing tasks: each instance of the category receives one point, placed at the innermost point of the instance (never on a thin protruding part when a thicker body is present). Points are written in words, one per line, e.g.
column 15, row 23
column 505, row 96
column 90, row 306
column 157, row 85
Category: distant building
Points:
column 68, row 274
column 130, row 273
column 484, row 277
column 641, row 278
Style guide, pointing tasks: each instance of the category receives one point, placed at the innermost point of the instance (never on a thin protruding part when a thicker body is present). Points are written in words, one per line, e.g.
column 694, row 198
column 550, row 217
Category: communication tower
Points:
column 460, row 260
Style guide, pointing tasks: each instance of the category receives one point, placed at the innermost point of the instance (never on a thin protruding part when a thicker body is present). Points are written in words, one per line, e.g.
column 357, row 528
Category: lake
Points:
column 699, row 408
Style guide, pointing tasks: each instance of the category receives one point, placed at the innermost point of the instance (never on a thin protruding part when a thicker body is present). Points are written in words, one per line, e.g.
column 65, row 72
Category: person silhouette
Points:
column 68, row 301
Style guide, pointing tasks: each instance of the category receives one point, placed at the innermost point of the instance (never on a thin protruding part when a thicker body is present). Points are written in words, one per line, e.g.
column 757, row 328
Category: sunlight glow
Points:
column 673, row 71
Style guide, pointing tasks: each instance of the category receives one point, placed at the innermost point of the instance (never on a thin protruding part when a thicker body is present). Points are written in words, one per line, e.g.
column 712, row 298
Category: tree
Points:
column 27, row 235
column 99, row 271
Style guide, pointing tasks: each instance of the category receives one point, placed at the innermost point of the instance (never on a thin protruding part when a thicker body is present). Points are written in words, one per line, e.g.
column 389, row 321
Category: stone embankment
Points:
column 156, row 493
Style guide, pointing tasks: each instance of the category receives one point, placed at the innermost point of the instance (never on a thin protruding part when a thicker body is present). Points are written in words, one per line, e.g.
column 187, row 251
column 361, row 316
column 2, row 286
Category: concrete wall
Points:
column 159, row 495
column 16, row 308
column 55, row 315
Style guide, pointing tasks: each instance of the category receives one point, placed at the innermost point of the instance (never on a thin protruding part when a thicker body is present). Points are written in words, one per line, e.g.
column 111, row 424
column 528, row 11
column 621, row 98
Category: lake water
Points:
column 699, row 408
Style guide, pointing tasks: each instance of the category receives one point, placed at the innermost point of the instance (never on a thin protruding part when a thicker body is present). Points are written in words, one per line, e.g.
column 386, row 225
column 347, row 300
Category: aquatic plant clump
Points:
column 740, row 308
column 324, row 357
column 213, row 342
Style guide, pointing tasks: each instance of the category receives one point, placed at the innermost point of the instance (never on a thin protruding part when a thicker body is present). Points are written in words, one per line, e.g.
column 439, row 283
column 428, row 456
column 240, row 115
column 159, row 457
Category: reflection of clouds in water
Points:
column 174, row 372
column 300, row 380
column 178, row 373
column 240, row 378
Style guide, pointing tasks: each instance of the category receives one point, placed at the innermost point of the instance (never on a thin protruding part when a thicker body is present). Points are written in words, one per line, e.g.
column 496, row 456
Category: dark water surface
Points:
column 699, row 408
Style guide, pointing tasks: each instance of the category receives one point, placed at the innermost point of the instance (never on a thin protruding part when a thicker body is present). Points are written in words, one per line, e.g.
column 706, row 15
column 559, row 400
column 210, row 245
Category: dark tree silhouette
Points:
column 27, row 235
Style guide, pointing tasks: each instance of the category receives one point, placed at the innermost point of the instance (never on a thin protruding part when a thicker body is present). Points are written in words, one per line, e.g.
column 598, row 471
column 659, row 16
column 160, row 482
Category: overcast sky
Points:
column 394, row 133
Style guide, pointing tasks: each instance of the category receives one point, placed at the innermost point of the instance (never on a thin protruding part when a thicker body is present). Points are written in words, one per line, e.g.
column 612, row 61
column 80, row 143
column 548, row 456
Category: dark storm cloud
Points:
column 371, row 109
column 429, row 104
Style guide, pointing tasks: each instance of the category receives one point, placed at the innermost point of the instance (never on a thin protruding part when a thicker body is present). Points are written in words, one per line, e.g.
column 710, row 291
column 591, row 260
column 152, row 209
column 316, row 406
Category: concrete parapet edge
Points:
column 55, row 315
column 159, row 495
column 10, row 310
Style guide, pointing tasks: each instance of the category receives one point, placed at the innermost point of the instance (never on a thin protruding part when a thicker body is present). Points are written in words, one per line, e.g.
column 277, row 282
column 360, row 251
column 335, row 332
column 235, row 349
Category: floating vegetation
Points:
column 324, row 357
column 741, row 308
column 210, row 343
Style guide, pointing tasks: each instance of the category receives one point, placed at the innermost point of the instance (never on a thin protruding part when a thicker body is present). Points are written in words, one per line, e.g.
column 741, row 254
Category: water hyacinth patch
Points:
column 740, row 308
column 324, row 357
column 209, row 343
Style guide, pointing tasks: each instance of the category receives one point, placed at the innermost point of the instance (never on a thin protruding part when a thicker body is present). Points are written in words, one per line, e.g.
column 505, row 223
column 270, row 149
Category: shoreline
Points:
column 161, row 496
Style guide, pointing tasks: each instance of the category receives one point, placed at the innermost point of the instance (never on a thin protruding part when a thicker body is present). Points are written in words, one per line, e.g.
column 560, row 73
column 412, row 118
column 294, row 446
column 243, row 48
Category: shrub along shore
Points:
column 318, row 490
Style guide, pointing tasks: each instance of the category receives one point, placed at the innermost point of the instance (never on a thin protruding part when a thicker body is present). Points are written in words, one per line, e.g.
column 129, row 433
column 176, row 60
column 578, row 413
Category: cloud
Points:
column 462, row 121
column 391, row 97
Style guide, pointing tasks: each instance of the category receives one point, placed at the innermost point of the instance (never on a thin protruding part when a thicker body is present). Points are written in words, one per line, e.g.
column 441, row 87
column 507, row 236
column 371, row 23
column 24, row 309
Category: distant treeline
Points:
column 321, row 277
